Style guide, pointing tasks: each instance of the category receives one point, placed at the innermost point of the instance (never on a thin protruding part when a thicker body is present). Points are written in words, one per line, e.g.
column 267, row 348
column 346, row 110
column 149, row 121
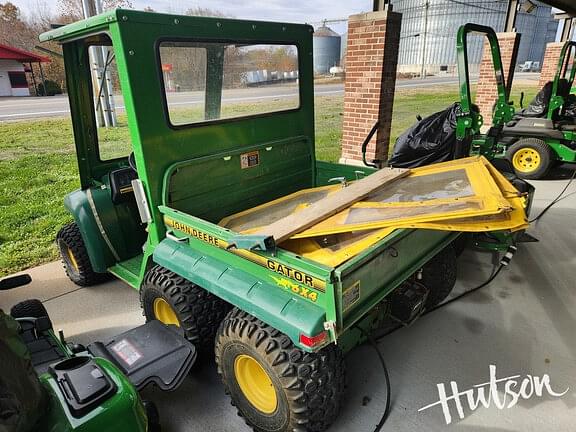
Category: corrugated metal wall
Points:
column 444, row 18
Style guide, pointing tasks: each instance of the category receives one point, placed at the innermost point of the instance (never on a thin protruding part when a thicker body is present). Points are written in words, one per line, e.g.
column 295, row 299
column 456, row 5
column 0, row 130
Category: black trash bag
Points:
column 431, row 140
column 538, row 106
column 570, row 107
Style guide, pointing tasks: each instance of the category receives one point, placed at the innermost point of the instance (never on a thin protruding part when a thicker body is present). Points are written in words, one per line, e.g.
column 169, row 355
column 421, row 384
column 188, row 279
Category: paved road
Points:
column 523, row 322
column 39, row 107
column 57, row 106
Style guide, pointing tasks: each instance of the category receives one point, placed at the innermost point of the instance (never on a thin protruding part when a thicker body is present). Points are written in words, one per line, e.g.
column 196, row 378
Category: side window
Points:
column 113, row 133
column 215, row 80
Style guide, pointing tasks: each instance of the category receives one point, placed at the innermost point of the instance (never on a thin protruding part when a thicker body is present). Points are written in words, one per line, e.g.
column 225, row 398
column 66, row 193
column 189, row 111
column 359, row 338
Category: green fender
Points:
column 79, row 207
column 122, row 412
column 274, row 306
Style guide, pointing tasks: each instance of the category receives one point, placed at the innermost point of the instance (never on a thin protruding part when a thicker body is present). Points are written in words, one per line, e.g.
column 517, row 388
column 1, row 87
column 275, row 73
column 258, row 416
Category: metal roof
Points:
column 325, row 31
column 568, row 6
column 11, row 53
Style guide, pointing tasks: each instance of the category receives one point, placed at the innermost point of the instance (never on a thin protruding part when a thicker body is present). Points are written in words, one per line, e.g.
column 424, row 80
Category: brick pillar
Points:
column 550, row 62
column 487, row 93
column 371, row 60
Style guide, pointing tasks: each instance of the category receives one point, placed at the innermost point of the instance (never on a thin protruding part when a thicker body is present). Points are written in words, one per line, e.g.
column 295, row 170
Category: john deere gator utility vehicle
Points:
column 230, row 228
column 537, row 137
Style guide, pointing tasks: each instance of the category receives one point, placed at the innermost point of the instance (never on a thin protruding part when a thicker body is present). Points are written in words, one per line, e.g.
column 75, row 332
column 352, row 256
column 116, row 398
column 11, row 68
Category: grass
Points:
column 38, row 166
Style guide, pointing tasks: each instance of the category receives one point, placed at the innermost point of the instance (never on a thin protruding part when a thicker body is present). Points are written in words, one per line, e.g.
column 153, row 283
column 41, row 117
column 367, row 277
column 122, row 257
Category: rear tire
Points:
column 439, row 276
column 531, row 158
column 275, row 386
column 75, row 257
column 171, row 299
column 461, row 243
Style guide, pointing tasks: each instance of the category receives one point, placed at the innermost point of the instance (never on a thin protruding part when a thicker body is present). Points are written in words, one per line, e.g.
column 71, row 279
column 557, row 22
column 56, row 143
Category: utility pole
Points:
column 424, row 34
column 100, row 58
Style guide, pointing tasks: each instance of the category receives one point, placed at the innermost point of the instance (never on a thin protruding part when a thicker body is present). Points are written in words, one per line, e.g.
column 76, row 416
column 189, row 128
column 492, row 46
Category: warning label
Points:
column 249, row 160
column 126, row 352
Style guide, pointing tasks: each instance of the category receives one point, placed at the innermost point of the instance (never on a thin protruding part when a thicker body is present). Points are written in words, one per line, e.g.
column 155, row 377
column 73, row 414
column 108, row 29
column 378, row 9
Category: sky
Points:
column 301, row 11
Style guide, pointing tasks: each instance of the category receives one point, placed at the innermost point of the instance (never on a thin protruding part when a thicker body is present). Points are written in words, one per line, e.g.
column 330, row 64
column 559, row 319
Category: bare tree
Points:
column 71, row 10
column 206, row 12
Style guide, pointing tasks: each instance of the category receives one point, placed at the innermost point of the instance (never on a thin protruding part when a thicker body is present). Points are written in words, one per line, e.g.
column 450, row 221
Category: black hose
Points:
column 373, row 342
column 555, row 200
column 458, row 297
column 385, row 369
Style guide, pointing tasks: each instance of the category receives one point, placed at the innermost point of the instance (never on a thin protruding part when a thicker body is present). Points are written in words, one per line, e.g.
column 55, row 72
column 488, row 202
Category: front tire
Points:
column 276, row 386
column 531, row 158
column 75, row 257
column 171, row 299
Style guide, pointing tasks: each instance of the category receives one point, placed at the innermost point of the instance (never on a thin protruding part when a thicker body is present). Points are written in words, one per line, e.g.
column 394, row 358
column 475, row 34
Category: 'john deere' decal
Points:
column 280, row 268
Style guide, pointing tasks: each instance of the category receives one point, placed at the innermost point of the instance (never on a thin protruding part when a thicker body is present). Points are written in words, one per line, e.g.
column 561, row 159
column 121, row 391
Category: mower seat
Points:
column 151, row 353
column 43, row 348
column 532, row 127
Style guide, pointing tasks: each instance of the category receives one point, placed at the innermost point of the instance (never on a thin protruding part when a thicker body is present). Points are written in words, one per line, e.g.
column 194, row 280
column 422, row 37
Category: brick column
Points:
column 487, row 93
column 371, row 60
column 550, row 62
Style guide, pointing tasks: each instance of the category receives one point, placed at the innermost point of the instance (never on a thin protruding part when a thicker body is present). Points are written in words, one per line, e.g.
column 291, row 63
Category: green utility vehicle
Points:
column 51, row 385
column 278, row 320
column 532, row 140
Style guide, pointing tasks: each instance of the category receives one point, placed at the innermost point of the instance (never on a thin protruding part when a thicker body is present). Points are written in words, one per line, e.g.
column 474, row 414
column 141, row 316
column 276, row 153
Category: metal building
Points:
column 326, row 49
column 428, row 36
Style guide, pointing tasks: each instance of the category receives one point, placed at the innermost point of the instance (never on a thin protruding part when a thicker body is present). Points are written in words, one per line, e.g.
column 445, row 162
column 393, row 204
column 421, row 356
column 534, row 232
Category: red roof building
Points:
column 13, row 81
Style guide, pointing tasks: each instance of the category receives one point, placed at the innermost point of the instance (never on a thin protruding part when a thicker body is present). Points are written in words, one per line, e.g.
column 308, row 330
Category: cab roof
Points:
column 122, row 17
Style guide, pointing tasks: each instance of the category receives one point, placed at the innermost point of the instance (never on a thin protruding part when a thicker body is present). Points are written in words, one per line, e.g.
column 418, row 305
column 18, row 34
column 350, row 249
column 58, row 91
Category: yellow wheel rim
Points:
column 526, row 160
column 72, row 258
column 164, row 312
column 255, row 384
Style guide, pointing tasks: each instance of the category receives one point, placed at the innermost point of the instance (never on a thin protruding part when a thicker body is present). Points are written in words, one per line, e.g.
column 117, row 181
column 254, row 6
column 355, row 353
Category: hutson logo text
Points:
column 504, row 393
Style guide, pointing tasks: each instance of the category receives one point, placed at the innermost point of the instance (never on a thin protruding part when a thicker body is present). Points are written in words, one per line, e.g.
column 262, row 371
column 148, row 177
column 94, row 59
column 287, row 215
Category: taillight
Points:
column 313, row 341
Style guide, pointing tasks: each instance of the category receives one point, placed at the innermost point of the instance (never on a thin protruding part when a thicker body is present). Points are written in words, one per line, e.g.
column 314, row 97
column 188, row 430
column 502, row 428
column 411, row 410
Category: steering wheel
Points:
column 132, row 162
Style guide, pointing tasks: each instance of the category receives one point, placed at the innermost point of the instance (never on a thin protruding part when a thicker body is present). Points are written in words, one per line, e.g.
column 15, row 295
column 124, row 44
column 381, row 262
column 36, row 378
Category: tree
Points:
column 9, row 13
column 71, row 10
column 206, row 12
column 13, row 30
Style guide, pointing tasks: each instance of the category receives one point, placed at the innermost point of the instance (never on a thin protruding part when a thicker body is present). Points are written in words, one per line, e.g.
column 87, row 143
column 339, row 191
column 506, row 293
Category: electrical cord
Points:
column 385, row 369
column 555, row 200
column 373, row 342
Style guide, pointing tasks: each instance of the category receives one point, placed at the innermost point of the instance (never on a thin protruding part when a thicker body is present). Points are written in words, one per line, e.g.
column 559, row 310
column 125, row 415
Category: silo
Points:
column 326, row 50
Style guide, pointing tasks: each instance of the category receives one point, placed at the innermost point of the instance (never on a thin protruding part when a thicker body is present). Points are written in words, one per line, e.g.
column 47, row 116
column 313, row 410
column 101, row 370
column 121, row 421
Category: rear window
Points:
column 206, row 81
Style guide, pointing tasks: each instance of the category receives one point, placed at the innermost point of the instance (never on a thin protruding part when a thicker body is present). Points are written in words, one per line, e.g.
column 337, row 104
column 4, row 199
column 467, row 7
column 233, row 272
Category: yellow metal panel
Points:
column 484, row 199
column 336, row 249
column 467, row 195
column 252, row 219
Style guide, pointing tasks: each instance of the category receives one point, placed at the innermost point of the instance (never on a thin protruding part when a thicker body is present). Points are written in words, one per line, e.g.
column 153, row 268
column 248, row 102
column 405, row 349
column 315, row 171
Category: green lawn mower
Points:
column 48, row 384
column 540, row 136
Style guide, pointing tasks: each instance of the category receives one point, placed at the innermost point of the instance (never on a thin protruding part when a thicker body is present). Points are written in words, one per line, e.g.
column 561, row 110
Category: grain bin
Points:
column 326, row 50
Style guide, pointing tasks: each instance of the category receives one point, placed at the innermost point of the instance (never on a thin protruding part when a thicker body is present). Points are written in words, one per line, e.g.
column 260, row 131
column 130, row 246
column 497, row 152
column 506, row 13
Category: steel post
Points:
column 511, row 14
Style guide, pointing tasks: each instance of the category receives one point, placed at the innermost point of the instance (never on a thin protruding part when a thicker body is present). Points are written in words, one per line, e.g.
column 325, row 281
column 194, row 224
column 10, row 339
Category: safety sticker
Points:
column 351, row 296
column 127, row 352
column 249, row 160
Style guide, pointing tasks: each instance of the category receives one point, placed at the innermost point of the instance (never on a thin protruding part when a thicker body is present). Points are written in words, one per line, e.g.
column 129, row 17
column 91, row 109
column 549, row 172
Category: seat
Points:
column 43, row 348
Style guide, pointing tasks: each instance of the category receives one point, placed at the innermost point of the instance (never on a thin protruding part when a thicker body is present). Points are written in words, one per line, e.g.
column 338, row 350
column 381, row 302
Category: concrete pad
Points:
column 523, row 323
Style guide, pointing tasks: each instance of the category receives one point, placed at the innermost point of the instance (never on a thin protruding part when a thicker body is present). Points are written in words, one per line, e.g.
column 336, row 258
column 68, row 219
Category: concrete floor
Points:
column 524, row 323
